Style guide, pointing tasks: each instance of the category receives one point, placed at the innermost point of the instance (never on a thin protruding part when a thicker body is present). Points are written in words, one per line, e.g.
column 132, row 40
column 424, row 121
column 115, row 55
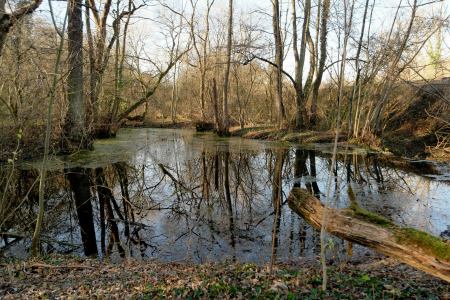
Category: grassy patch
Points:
column 244, row 131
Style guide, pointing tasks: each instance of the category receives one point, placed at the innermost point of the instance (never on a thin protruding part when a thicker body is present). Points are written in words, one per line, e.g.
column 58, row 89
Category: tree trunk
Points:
column 74, row 127
column 355, row 86
column 174, row 89
column 116, row 27
column 300, row 60
column 100, row 22
column 323, row 56
column 202, row 60
column 226, row 125
column 278, row 61
column 215, row 108
column 413, row 247
column 92, row 98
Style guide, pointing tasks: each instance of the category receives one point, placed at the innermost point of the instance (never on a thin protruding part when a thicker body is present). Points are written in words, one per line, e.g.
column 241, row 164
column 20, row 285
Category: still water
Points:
column 173, row 195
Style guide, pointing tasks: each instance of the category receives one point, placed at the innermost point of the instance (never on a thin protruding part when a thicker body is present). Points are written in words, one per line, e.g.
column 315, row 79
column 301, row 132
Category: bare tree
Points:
column 226, row 125
column 8, row 20
column 392, row 73
column 278, row 60
column 323, row 56
column 37, row 231
column 300, row 62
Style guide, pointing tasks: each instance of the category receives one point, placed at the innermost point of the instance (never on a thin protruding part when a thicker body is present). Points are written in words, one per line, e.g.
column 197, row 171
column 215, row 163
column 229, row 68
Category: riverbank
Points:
column 58, row 277
column 403, row 142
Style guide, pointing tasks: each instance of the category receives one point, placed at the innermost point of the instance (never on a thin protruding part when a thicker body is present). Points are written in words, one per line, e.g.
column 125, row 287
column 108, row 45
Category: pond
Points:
column 169, row 195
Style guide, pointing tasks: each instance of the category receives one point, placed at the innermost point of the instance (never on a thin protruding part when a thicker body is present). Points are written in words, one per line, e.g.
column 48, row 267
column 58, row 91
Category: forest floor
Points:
column 58, row 277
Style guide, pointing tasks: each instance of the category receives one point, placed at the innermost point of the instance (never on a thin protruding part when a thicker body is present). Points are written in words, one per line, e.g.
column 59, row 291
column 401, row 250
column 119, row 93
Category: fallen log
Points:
column 413, row 247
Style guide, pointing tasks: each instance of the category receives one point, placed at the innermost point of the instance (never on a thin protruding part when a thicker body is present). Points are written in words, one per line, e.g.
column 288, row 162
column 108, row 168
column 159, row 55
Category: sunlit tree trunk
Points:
column 355, row 86
column 215, row 107
column 226, row 125
column 278, row 61
column 92, row 98
column 323, row 56
column 300, row 60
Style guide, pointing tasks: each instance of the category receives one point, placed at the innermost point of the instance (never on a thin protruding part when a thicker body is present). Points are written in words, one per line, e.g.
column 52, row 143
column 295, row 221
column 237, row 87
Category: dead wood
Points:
column 413, row 247
column 61, row 267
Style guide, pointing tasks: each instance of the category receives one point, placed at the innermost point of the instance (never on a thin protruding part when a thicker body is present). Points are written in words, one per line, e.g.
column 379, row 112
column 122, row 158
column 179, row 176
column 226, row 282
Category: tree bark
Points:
column 413, row 247
column 226, row 125
column 215, row 108
column 300, row 59
column 350, row 109
column 74, row 127
column 323, row 56
column 278, row 61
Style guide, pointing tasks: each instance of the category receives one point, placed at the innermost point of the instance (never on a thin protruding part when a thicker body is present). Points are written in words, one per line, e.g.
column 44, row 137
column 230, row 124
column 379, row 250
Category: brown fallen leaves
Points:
column 84, row 278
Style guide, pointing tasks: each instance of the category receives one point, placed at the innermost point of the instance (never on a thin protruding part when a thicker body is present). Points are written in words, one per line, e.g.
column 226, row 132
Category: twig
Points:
column 62, row 267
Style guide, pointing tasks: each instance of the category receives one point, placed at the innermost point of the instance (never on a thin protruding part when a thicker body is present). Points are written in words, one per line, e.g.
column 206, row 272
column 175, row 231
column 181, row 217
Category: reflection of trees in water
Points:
column 220, row 202
column 19, row 208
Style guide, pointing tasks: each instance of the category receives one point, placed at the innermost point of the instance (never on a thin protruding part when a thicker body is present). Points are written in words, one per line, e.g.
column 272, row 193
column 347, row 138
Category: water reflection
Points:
column 173, row 195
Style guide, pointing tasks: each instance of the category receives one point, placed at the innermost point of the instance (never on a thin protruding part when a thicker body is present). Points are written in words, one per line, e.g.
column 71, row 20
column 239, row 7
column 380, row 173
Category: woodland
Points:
column 89, row 68
column 372, row 73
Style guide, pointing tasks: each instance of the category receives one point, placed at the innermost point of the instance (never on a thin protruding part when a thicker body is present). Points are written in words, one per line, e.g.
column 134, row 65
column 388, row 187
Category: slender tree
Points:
column 323, row 56
column 326, row 217
column 278, row 61
column 300, row 60
column 226, row 125
column 37, row 231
